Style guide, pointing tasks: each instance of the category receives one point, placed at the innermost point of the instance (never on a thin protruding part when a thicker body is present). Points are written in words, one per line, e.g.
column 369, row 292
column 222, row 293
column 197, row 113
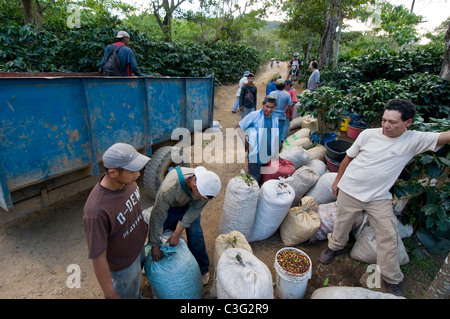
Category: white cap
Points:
column 124, row 156
column 208, row 183
column 122, row 34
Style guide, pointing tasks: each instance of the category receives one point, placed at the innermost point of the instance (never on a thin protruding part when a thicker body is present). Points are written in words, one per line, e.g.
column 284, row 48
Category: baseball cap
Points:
column 280, row 82
column 122, row 34
column 208, row 183
column 124, row 156
column 251, row 74
column 246, row 73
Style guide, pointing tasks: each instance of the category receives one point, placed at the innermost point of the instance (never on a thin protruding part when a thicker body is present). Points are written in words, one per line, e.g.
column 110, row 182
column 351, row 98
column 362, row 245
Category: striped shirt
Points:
column 170, row 194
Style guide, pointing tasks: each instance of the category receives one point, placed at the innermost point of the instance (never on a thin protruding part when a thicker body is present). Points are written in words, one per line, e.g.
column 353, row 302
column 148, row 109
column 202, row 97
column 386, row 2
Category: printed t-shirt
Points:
column 113, row 222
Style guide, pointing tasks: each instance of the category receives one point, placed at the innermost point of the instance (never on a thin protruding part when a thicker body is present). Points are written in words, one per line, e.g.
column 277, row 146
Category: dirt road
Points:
column 43, row 251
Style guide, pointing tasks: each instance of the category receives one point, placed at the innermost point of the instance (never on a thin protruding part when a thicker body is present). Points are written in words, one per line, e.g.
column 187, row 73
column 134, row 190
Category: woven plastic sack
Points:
column 274, row 202
column 365, row 248
column 317, row 152
column 310, row 123
column 239, row 206
column 301, row 133
column 319, row 166
column 240, row 275
column 177, row 275
column 322, row 191
column 233, row 239
column 301, row 223
column 297, row 155
column 277, row 168
column 327, row 215
column 295, row 123
column 301, row 182
column 350, row 293
column 304, row 142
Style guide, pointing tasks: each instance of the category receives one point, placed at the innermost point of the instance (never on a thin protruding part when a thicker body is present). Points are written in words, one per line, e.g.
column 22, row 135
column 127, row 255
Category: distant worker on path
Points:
column 314, row 78
column 128, row 64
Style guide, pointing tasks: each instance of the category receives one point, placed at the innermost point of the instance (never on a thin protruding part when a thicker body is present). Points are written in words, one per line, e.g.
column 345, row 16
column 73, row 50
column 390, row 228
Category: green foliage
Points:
column 374, row 79
column 58, row 48
column 81, row 50
column 398, row 23
column 430, row 94
column 326, row 105
column 368, row 99
column 384, row 64
column 364, row 85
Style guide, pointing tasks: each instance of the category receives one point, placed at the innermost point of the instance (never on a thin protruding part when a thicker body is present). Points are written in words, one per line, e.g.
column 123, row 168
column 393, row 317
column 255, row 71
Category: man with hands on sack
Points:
column 179, row 202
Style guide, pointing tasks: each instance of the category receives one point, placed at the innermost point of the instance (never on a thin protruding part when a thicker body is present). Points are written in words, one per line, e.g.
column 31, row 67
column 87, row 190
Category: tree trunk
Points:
column 329, row 33
column 32, row 12
column 445, row 69
column 440, row 287
column 328, row 41
column 166, row 24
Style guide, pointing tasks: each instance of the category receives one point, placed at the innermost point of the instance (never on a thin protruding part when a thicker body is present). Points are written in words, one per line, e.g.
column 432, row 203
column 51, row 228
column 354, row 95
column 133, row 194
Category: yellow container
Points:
column 344, row 123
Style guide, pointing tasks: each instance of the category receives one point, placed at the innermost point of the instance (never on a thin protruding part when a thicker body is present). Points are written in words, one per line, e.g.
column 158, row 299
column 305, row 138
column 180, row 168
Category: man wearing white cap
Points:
column 126, row 56
column 178, row 205
column 114, row 225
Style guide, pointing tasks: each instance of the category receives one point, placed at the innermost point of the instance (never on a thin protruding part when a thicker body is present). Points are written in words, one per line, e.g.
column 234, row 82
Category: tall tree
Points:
column 163, row 10
column 225, row 19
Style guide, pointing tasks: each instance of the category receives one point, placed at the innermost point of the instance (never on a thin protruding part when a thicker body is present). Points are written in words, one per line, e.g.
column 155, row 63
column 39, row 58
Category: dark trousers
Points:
column 194, row 234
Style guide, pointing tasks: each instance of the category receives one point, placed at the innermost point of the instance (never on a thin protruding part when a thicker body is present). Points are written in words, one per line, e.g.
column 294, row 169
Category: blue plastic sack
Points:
column 177, row 275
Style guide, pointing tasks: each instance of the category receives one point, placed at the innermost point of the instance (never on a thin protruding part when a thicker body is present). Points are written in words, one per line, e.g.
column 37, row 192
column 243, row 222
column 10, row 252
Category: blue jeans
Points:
column 127, row 282
column 236, row 105
column 194, row 234
column 286, row 129
column 281, row 129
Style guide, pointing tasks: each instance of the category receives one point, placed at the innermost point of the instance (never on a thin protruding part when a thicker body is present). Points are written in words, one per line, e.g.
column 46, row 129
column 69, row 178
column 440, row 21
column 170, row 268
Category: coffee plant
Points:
column 81, row 50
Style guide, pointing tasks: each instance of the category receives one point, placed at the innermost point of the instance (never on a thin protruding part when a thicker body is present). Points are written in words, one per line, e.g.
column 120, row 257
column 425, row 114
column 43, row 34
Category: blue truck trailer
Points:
column 55, row 127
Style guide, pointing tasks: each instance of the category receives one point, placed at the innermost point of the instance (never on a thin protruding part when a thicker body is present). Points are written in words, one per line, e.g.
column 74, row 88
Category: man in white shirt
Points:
column 370, row 168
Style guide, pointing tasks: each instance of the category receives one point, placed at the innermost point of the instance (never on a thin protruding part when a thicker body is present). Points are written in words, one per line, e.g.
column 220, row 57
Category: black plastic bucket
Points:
column 336, row 149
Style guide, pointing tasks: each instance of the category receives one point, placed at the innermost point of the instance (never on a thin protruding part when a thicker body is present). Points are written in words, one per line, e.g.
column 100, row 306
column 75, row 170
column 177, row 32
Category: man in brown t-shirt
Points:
column 114, row 224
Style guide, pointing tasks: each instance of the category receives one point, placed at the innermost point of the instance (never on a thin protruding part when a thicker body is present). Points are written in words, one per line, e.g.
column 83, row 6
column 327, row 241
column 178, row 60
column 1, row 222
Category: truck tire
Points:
column 157, row 168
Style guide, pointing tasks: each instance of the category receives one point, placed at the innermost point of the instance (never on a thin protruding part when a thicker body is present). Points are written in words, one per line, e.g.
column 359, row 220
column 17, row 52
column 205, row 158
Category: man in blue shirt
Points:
column 284, row 104
column 126, row 55
column 261, row 127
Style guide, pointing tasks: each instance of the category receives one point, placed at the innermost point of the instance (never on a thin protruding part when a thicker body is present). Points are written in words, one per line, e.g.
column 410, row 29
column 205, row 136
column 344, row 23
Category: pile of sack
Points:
column 299, row 202
column 258, row 211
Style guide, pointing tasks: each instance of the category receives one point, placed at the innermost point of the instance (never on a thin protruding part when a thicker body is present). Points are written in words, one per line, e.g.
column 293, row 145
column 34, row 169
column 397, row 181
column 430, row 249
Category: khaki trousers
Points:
column 383, row 222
